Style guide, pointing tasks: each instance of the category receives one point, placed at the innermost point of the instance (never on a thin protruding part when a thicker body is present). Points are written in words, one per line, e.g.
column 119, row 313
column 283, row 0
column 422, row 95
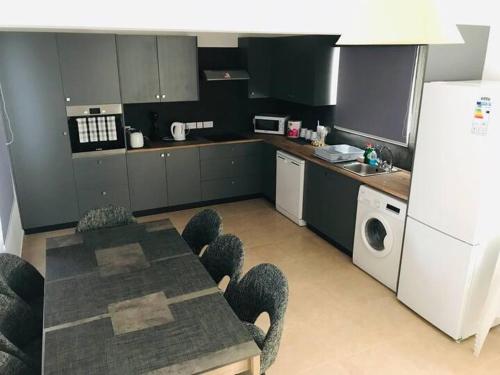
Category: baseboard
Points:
column 15, row 233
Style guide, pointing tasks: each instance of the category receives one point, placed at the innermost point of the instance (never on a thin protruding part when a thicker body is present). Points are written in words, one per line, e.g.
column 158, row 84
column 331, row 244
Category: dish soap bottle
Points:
column 370, row 155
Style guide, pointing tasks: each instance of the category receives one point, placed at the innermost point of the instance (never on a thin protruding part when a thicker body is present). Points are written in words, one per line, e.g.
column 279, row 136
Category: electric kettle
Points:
column 178, row 130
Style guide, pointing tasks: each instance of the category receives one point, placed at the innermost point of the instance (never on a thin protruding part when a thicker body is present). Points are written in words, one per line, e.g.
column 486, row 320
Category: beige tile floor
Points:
column 339, row 319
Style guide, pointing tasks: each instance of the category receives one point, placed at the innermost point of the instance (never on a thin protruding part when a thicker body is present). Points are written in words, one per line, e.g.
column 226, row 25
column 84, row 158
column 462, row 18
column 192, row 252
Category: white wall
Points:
column 486, row 12
column 15, row 233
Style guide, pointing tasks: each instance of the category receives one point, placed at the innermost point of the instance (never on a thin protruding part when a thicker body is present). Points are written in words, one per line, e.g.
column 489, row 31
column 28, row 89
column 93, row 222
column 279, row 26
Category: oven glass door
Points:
column 96, row 133
column 267, row 125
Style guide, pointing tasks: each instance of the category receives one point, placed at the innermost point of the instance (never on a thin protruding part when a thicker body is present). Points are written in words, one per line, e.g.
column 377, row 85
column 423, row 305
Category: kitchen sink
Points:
column 362, row 169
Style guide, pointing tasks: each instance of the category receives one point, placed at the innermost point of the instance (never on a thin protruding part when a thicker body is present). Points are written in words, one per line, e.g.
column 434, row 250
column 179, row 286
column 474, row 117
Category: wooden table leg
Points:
column 254, row 365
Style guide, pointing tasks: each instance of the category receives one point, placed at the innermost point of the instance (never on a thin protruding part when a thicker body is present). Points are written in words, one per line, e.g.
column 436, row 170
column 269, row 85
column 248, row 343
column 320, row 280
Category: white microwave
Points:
column 270, row 124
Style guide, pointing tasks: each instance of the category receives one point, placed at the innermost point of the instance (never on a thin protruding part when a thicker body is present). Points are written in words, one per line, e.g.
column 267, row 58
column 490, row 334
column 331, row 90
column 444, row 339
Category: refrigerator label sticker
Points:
column 481, row 117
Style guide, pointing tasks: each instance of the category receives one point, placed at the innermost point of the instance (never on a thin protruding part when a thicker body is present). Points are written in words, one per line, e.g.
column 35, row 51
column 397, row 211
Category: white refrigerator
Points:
column 454, row 206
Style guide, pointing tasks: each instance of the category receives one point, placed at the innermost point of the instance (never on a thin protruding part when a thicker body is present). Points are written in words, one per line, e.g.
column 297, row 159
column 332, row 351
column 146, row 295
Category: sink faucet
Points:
column 383, row 163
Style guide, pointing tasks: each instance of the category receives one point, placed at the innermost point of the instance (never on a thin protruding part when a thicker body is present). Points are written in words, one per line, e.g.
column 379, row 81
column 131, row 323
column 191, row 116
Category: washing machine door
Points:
column 377, row 235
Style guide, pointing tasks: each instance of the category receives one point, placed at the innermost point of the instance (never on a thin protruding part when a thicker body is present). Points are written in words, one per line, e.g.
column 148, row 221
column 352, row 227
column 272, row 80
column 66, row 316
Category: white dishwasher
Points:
column 290, row 186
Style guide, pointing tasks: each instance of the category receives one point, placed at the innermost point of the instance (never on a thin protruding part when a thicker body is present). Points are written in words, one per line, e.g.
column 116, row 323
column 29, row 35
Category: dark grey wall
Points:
column 6, row 187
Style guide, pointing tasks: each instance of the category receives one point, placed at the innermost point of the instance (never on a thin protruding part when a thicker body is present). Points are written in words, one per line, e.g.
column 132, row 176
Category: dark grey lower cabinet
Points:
column 147, row 180
column 330, row 204
column 269, row 171
column 183, row 176
column 41, row 152
column 101, row 180
column 231, row 170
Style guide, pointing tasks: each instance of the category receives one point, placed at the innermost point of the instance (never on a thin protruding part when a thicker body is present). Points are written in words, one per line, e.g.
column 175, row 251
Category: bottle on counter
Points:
column 370, row 155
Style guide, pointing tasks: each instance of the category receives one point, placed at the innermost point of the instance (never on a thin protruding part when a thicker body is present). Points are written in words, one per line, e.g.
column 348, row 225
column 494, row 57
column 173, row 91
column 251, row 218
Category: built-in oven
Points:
column 270, row 124
column 96, row 127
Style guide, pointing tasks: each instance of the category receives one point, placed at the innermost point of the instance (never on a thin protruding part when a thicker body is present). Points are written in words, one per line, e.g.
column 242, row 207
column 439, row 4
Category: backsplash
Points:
column 227, row 104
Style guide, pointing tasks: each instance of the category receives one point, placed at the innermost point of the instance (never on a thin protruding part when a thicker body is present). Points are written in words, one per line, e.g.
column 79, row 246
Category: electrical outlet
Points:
column 208, row 124
column 191, row 125
column 199, row 125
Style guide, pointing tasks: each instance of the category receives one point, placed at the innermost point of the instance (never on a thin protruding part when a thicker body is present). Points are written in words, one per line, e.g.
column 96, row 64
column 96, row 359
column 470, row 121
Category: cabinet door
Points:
column 138, row 68
column 89, row 68
column 257, row 57
column 147, row 180
column 315, row 206
column 41, row 152
column 183, row 176
column 269, row 171
column 341, row 203
column 178, row 66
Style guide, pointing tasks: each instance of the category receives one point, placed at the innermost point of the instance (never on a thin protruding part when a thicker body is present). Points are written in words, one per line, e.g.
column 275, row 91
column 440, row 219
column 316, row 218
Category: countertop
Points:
column 396, row 184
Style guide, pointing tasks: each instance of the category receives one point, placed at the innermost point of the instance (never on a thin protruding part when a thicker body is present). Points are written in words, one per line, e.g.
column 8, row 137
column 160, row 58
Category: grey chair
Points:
column 105, row 217
column 263, row 289
column 18, row 323
column 202, row 229
column 12, row 365
column 7, row 347
column 224, row 257
column 23, row 279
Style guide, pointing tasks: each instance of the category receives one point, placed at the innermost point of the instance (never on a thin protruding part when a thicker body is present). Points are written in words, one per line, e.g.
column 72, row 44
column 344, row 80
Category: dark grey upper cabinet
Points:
column 147, row 180
column 304, row 70
column 183, row 176
column 330, row 204
column 89, row 68
column 256, row 56
column 178, row 67
column 41, row 152
column 138, row 67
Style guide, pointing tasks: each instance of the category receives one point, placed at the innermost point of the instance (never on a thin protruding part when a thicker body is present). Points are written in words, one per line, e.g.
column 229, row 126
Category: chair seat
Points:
column 258, row 334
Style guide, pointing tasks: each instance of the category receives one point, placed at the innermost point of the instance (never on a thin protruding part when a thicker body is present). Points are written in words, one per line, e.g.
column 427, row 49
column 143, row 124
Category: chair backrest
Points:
column 105, row 217
column 7, row 347
column 21, row 277
column 202, row 229
column 12, row 365
column 18, row 323
column 224, row 257
column 263, row 289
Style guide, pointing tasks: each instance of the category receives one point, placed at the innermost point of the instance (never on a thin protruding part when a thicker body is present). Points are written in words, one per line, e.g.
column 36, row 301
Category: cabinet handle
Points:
column 162, row 155
column 99, row 162
column 232, row 182
column 65, row 133
column 232, row 162
column 68, row 99
column 252, row 93
column 157, row 96
column 163, row 96
column 168, row 154
column 104, row 193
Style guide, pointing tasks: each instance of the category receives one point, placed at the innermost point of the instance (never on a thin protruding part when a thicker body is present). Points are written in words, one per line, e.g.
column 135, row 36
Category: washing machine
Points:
column 378, row 239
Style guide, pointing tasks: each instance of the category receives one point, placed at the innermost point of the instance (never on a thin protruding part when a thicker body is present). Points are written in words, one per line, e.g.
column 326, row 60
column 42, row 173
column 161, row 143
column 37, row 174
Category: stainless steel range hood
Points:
column 226, row 75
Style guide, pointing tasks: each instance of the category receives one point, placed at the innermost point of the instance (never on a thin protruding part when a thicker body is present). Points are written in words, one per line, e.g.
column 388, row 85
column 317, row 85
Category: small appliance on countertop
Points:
column 136, row 139
column 178, row 130
column 270, row 124
column 95, row 128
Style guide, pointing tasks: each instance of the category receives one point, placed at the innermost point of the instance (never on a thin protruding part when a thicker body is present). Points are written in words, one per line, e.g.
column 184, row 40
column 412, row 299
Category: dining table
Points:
column 135, row 299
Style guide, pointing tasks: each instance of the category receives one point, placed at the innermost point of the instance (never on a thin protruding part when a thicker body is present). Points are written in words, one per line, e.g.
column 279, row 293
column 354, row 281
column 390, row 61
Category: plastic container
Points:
column 338, row 153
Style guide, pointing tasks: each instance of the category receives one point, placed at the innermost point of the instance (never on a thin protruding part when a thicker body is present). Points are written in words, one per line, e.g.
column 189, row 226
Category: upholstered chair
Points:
column 263, row 289
column 12, row 365
column 202, row 229
column 105, row 217
column 224, row 257
column 23, row 279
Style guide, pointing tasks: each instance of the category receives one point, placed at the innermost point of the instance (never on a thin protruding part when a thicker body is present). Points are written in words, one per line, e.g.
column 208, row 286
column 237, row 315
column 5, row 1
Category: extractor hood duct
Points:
column 226, row 75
